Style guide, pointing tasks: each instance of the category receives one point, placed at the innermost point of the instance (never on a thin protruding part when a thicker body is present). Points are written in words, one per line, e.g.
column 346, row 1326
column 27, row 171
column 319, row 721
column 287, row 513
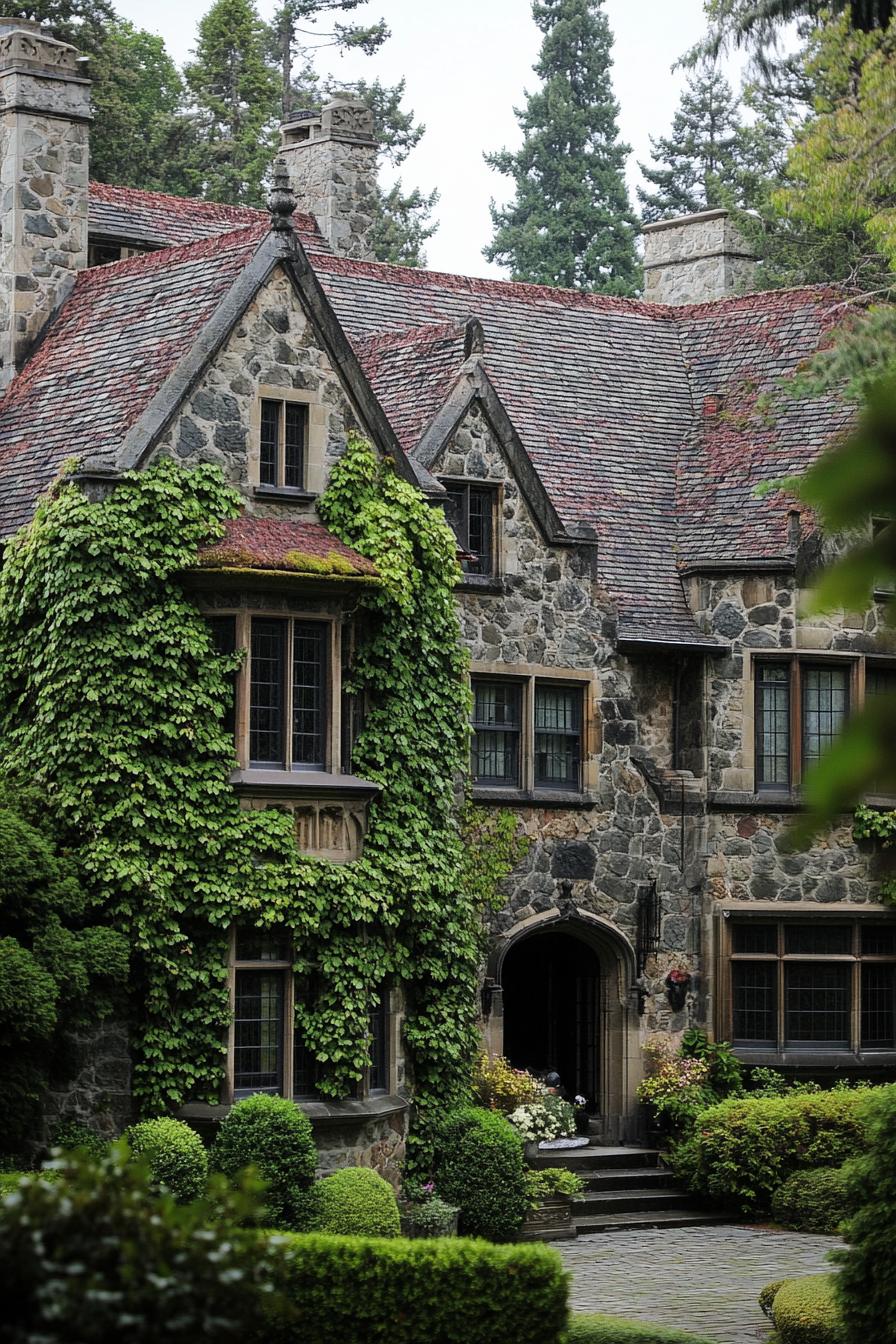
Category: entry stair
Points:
column 625, row 1188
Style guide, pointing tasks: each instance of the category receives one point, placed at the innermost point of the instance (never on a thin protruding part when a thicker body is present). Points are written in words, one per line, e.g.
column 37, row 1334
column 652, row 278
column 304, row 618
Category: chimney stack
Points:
column 44, row 121
column 696, row 258
column 331, row 160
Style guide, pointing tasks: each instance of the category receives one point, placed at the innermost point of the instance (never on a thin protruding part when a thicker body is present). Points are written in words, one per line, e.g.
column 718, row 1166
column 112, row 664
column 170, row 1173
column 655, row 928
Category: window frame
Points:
column 798, row 663
column 334, row 638
column 462, row 485
column 286, row 967
column 783, row 1047
column 527, row 681
column 281, row 467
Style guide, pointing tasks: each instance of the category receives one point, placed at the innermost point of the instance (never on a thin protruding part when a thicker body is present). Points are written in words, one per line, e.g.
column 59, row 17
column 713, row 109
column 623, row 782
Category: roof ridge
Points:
column 110, row 193
column 165, row 256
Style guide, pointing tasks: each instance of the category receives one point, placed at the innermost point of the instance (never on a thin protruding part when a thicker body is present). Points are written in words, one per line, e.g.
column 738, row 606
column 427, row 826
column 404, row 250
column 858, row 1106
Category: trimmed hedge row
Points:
column 617, row 1330
column 347, row 1290
column 744, row 1149
column 813, row 1201
column 805, row 1311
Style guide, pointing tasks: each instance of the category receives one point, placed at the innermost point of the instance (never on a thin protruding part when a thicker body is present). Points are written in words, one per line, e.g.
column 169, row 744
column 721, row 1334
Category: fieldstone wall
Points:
column 696, row 259
column 361, row 1134
column 92, row 1082
column 44, row 119
column 331, row 161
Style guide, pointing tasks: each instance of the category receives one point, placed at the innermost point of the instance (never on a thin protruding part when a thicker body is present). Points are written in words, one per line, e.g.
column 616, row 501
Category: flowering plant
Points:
column 678, row 1087
column 500, row 1087
column 546, row 1119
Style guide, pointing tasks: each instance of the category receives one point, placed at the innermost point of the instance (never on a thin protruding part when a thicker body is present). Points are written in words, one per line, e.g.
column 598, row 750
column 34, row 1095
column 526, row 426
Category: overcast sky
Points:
column 466, row 64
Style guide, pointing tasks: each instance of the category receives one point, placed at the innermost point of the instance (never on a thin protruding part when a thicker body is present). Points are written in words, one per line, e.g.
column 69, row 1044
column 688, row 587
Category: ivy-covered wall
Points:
column 112, row 701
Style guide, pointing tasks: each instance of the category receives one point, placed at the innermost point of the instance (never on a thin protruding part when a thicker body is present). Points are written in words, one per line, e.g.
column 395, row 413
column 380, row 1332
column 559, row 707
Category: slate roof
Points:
column 412, row 373
column 282, row 544
column 116, row 338
column 160, row 220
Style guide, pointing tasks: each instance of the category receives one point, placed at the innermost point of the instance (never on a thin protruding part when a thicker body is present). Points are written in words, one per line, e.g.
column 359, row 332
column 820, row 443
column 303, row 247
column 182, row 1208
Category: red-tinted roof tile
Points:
column 281, row 544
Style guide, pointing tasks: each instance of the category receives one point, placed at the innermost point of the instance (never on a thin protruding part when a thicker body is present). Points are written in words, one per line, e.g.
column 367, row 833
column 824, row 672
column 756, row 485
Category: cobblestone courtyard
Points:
column 705, row 1279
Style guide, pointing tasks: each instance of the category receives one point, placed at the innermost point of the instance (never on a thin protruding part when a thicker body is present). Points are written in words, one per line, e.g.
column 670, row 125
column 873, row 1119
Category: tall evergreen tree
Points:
column 236, row 96
column 697, row 166
column 571, row 222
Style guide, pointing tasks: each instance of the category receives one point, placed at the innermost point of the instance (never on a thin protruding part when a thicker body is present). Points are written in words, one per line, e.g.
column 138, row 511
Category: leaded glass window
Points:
column 471, row 509
column 282, row 446
column 558, row 735
column 772, row 726
column 825, row 703
column 287, row 686
column 496, row 733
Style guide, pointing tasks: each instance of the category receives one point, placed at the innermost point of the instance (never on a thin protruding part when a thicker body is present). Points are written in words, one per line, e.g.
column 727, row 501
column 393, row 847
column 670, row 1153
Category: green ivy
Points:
column 112, row 701
column 870, row 823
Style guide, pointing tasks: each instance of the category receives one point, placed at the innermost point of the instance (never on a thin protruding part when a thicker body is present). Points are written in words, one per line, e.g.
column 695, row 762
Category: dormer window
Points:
column 471, row 510
column 283, row 444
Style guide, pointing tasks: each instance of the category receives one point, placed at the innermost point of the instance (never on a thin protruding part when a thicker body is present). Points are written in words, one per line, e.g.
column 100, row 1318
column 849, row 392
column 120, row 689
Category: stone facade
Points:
column 91, row 1082
column 331, row 160
column 44, row 119
column 695, row 259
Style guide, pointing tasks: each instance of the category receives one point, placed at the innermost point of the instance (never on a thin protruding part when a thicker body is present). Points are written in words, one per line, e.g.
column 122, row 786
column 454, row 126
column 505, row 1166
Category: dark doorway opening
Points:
column 550, row 984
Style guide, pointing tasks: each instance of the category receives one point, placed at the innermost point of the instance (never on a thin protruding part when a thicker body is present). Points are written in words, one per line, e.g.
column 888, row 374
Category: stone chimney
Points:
column 696, row 258
column 44, row 120
column 331, row 160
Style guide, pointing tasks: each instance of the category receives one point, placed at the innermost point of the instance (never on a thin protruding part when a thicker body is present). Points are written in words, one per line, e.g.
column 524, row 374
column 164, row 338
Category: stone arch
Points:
column 620, row 1059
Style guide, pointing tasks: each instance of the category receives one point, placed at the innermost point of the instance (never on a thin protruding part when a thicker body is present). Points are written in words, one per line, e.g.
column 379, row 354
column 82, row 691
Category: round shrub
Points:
column 274, row 1136
column 745, row 1148
column 174, row 1154
column 479, row 1167
column 812, row 1201
column 805, row 1311
column 357, row 1202
column 866, row 1284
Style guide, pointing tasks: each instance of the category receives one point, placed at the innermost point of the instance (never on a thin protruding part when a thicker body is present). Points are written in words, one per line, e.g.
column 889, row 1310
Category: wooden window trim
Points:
column 527, row 683
column 799, row 662
column 280, row 464
column 464, row 484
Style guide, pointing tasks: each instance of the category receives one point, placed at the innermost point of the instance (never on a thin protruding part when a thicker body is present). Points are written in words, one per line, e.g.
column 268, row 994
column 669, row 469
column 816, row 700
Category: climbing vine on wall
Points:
column 870, row 823
column 112, row 700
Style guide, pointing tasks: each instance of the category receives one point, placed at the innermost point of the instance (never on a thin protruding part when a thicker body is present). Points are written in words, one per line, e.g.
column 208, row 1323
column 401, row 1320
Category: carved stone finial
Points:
column 474, row 337
column 282, row 201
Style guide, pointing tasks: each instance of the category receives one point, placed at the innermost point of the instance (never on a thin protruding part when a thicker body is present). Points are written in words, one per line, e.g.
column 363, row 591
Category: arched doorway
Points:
column 551, row 984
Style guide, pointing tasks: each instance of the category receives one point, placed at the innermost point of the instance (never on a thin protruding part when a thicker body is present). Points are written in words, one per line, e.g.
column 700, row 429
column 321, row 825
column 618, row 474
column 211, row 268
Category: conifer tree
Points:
column 571, row 222
column 235, row 89
column 695, row 167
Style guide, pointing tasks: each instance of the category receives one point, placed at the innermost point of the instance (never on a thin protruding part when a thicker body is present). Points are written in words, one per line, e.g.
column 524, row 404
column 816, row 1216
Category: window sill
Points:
column 816, row 1059
column 283, row 494
column 531, row 797
column 480, row 583
column 324, row 1114
column 786, row 801
column 305, row 783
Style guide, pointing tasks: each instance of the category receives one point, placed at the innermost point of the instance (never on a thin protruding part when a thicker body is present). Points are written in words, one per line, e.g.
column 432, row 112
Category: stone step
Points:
column 622, row 1178
column 595, row 1158
column 632, row 1200
column 621, row 1222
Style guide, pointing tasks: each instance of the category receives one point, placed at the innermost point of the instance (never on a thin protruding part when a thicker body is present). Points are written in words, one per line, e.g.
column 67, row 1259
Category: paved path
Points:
column 705, row 1279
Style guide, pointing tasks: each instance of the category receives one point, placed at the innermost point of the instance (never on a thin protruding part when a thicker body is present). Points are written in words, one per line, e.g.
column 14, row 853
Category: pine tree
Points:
column 236, row 93
column 697, row 166
column 571, row 222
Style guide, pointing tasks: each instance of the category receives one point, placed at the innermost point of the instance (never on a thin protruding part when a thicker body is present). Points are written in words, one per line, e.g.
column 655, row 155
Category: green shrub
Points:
column 479, row 1167
column 550, row 1182
column 805, row 1311
column 116, row 1261
column 174, row 1153
column 866, row 1284
column 273, row 1135
column 356, row 1202
column 346, row 1290
column 726, row 1077
column 812, row 1201
column 767, row 1296
column 586, row 1329
column 70, row 1134
column 9, row 1180
column 431, row 1218
column 742, row 1150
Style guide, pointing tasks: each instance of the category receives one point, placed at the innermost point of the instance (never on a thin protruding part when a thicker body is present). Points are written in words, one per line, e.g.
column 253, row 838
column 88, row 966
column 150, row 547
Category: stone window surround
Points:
column 493, row 580
column 526, row 674
column 393, row 1034
column 857, row 662
column 315, row 449
column 243, row 619
column 797, row 912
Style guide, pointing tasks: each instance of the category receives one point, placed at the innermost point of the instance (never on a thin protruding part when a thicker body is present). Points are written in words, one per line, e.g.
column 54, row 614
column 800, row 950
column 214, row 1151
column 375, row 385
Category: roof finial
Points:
column 281, row 201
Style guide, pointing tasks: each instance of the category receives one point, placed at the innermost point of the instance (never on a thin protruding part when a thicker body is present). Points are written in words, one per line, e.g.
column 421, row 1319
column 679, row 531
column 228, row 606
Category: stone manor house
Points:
column 647, row 693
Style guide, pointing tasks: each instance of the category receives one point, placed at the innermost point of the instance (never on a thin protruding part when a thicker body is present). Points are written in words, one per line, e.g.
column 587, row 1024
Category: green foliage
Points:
column 272, row 1135
column 805, row 1311
column 744, row 1149
column 356, row 1202
column 431, row 1218
column 697, row 166
column 552, row 1181
column 677, row 1086
column 174, row 1153
column 571, row 222
column 588, row 1329
column 500, row 1087
column 725, row 1071
column 866, row 1284
column 70, row 1135
column 98, row 1255
column 346, row 1290
column 812, row 1201
column 479, row 1167
column 112, row 699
